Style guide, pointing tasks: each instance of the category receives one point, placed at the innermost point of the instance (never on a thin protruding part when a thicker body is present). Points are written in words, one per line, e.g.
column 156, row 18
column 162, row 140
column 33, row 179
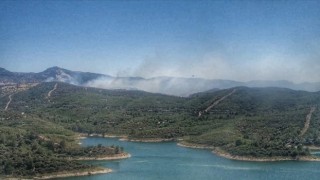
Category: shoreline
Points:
column 87, row 172
column 217, row 151
column 227, row 155
column 63, row 174
column 85, row 135
column 147, row 140
column 194, row 146
column 313, row 148
column 125, row 138
column 75, row 174
column 113, row 157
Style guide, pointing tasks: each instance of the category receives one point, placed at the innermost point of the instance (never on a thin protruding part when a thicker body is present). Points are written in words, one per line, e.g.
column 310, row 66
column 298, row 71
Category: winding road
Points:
column 216, row 103
column 307, row 123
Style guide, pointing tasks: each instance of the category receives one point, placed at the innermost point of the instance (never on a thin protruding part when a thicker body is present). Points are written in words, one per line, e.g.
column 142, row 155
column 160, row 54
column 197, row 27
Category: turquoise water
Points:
column 153, row 161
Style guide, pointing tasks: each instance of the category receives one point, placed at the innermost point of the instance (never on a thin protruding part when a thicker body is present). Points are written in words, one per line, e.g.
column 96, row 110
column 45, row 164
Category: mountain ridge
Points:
column 178, row 86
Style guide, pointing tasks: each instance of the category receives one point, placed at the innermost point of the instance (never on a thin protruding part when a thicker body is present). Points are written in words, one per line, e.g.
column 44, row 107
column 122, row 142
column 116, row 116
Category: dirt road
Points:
column 216, row 103
column 307, row 123
column 10, row 99
column 50, row 92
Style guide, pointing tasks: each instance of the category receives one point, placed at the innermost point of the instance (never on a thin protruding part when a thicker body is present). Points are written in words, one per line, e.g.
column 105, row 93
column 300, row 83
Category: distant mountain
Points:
column 50, row 74
column 306, row 86
column 165, row 85
column 71, row 77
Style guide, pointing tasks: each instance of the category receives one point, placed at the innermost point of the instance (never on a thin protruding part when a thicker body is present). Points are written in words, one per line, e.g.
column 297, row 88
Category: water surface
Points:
column 155, row 161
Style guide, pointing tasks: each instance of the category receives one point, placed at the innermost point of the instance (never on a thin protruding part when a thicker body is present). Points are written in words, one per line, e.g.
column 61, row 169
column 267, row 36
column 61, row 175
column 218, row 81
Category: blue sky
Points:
column 238, row 40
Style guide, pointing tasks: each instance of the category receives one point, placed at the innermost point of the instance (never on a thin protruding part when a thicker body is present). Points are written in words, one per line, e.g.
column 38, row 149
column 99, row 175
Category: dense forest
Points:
column 39, row 127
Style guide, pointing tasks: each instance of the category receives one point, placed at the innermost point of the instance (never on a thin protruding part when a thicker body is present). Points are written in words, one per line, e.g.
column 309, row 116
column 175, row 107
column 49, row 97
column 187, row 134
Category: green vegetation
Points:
column 30, row 146
column 256, row 122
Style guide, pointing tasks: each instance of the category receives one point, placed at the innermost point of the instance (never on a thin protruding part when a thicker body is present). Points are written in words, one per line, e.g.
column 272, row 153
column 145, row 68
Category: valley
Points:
column 240, row 123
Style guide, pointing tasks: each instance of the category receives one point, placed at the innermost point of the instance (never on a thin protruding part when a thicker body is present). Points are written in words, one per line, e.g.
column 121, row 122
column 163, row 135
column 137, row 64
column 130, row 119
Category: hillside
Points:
column 32, row 146
column 256, row 122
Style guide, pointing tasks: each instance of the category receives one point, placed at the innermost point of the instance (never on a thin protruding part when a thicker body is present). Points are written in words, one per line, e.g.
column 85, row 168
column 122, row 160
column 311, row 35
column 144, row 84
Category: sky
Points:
column 218, row 39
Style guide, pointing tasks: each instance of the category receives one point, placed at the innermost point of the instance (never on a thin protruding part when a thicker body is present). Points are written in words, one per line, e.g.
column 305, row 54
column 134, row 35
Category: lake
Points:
column 153, row 161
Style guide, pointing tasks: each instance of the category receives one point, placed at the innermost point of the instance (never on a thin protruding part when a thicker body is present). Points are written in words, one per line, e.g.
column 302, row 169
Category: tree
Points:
column 2, row 139
column 8, row 167
column 238, row 142
column 63, row 144
column 29, row 163
column 117, row 150
column 34, row 145
column 51, row 145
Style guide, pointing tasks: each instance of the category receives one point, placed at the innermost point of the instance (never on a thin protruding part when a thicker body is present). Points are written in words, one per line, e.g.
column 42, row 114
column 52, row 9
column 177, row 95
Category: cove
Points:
column 155, row 161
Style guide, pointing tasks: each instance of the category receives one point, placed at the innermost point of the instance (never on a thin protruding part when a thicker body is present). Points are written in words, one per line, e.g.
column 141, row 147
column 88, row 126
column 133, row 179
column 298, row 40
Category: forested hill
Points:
column 257, row 122
column 33, row 146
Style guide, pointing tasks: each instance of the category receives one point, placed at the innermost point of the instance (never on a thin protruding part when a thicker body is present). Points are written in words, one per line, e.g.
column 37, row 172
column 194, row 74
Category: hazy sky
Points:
column 238, row 40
